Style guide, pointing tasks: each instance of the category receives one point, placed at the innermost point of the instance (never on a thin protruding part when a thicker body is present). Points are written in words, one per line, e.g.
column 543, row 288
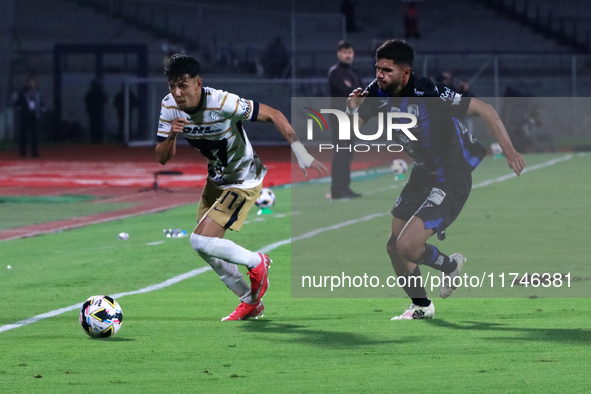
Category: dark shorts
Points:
column 438, row 204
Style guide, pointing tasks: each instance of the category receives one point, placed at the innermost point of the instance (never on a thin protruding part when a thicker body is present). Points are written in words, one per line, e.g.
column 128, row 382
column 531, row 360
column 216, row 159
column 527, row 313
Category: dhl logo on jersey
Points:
column 196, row 130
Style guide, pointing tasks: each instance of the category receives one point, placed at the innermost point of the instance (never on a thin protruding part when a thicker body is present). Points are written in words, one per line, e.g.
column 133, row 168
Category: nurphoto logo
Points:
column 344, row 133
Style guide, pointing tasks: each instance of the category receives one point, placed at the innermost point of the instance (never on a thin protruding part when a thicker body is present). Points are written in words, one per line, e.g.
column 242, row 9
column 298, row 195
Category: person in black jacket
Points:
column 95, row 100
column 444, row 154
column 29, row 105
column 342, row 80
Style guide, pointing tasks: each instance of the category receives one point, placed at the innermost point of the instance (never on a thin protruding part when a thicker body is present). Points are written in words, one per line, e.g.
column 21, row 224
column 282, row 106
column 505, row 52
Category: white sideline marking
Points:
column 35, row 319
column 166, row 283
column 190, row 274
column 526, row 169
column 56, row 312
column 264, row 249
column 268, row 248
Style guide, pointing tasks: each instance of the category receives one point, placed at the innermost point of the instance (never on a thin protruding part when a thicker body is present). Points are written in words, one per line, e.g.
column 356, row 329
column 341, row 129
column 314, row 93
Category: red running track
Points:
column 117, row 173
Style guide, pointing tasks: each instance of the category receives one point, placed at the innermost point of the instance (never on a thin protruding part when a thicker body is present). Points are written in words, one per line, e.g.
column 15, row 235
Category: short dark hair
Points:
column 180, row 65
column 344, row 44
column 398, row 51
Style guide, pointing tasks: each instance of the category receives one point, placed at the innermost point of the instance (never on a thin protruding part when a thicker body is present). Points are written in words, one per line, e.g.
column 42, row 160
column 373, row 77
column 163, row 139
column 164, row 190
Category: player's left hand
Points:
column 318, row 166
column 516, row 161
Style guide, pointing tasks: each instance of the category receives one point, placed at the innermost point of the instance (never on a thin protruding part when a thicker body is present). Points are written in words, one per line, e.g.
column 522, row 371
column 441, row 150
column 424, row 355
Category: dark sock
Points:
column 417, row 293
column 435, row 259
column 421, row 301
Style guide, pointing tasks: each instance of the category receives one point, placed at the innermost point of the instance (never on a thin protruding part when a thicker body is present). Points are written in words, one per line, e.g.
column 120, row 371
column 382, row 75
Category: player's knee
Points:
column 202, row 244
column 391, row 246
column 214, row 263
column 407, row 248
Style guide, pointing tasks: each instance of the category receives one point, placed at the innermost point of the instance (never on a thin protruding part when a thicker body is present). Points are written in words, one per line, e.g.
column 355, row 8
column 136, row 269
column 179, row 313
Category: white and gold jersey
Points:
column 215, row 129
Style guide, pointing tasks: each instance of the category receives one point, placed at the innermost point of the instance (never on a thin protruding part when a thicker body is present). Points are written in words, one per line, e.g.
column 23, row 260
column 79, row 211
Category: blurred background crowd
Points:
column 91, row 71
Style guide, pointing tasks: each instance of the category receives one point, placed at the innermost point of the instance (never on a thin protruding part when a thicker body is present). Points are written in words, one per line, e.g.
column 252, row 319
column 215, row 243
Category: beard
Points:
column 390, row 88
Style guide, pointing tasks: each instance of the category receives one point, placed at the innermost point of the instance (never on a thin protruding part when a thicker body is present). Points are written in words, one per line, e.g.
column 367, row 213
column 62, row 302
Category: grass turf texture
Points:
column 532, row 224
column 172, row 339
column 28, row 210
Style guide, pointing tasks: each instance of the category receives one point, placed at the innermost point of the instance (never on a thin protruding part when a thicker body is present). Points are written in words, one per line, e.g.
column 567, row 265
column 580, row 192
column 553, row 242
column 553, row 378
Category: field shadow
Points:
column 299, row 334
column 113, row 339
column 576, row 336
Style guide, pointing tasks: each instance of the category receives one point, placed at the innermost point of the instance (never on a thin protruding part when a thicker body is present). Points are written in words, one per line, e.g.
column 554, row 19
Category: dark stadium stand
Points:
column 568, row 22
column 495, row 44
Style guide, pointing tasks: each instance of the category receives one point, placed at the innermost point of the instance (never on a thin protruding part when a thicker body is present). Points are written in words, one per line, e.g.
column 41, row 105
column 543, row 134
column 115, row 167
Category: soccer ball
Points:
column 101, row 316
column 495, row 149
column 399, row 166
column 266, row 199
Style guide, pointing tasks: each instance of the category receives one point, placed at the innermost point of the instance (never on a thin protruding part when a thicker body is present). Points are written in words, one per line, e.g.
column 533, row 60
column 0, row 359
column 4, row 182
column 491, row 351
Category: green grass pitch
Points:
column 172, row 339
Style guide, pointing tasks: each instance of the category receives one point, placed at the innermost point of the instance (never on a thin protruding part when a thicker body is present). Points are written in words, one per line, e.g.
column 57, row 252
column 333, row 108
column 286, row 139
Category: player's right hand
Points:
column 356, row 98
column 515, row 161
column 318, row 166
column 178, row 124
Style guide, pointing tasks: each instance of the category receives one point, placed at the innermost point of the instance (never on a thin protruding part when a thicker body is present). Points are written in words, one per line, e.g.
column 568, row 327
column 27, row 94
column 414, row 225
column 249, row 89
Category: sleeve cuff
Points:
column 255, row 111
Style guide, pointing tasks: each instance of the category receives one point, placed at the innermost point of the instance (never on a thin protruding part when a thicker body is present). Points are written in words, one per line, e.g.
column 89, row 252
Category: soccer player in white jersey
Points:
column 211, row 121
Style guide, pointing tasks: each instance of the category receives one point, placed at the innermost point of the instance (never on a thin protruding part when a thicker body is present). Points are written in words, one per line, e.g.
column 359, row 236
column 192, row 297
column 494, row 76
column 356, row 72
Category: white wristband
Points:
column 304, row 158
column 351, row 111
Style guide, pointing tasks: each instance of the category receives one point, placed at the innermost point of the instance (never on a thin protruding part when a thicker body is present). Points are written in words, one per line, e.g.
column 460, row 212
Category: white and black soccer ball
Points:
column 101, row 316
column 399, row 167
column 266, row 199
column 495, row 149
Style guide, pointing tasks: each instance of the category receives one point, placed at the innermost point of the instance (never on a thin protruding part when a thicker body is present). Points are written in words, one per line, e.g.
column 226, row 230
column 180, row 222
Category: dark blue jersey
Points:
column 444, row 146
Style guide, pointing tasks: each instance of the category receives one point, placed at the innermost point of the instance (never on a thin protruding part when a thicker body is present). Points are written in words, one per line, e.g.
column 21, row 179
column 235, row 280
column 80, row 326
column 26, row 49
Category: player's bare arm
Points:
column 498, row 131
column 305, row 160
column 166, row 149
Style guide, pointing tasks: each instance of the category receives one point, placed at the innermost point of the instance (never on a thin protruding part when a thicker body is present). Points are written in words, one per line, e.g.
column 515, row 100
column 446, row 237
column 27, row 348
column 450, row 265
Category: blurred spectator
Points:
column 348, row 9
column 446, row 78
column 464, row 88
column 168, row 50
column 29, row 105
column 119, row 104
column 411, row 21
column 514, row 111
column 95, row 100
column 275, row 59
column 342, row 80
column 534, row 139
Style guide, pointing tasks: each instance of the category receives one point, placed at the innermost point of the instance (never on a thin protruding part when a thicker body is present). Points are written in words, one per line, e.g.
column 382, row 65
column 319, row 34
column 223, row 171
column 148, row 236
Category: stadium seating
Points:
column 229, row 38
column 567, row 22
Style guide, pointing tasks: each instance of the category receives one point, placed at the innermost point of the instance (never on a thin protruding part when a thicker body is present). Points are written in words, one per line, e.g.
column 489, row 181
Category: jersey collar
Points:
column 409, row 89
column 201, row 102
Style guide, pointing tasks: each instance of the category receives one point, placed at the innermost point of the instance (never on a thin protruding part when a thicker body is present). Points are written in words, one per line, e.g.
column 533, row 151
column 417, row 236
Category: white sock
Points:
column 231, row 276
column 225, row 249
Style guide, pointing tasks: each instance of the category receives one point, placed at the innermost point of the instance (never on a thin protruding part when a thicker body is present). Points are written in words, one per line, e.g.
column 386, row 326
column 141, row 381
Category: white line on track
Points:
column 265, row 249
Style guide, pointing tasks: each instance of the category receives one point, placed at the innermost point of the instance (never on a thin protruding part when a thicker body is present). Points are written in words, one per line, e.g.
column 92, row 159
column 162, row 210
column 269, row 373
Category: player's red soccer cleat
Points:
column 258, row 311
column 246, row 311
column 259, row 278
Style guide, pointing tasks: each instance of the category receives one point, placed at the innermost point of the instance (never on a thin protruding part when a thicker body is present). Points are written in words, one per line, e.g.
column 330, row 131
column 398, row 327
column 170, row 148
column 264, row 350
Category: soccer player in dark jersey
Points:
column 444, row 156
